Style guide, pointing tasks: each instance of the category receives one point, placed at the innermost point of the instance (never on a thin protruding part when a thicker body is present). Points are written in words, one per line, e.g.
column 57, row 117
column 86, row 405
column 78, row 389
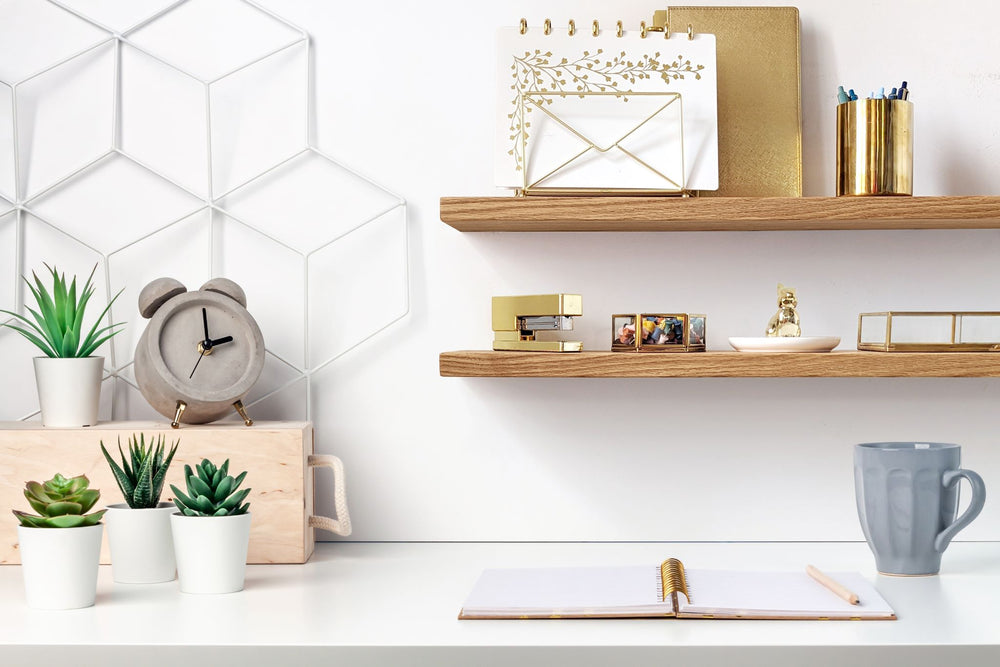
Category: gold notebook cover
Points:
column 760, row 104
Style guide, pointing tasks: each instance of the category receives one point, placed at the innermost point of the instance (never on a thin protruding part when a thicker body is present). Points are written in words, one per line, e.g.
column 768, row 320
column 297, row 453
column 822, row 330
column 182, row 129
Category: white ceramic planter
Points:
column 59, row 565
column 211, row 552
column 142, row 544
column 69, row 390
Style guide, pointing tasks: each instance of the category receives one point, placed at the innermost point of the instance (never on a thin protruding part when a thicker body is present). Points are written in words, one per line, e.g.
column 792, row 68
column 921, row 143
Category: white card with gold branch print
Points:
column 606, row 113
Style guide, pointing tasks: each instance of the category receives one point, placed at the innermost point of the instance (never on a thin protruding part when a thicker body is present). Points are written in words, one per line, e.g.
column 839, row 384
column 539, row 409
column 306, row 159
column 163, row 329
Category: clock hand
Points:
column 204, row 319
column 220, row 341
column 201, row 354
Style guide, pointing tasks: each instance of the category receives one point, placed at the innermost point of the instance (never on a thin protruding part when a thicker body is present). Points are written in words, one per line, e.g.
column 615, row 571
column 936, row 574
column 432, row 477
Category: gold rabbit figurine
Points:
column 785, row 322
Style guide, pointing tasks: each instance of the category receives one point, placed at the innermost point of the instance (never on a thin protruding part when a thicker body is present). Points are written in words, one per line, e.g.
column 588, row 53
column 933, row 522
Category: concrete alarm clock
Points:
column 201, row 352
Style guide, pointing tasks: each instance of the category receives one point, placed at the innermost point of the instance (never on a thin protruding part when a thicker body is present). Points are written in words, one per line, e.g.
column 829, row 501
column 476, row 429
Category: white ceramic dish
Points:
column 802, row 344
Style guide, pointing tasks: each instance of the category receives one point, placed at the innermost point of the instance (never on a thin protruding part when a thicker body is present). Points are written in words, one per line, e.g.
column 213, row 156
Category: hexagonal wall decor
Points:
column 179, row 173
column 54, row 87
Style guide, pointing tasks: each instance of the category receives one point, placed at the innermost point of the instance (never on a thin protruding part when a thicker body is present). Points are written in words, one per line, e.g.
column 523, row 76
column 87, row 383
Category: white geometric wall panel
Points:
column 150, row 139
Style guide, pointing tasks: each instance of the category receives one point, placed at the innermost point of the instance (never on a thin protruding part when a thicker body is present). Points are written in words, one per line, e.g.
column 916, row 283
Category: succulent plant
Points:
column 141, row 481
column 57, row 329
column 61, row 502
column 211, row 491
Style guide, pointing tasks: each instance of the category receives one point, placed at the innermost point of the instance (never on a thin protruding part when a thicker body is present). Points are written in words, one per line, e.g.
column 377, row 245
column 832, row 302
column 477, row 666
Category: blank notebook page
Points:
column 778, row 594
column 568, row 591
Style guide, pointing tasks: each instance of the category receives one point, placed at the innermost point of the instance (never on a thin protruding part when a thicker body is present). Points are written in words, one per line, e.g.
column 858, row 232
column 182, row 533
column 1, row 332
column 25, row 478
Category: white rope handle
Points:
column 342, row 524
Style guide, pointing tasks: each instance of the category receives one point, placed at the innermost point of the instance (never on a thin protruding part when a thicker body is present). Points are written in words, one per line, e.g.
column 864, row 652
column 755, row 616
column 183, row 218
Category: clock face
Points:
column 207, row 347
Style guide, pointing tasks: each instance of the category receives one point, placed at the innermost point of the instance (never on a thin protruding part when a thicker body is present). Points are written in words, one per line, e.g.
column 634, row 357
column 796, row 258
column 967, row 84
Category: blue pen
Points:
column 842, row 96
column 904, row 92
column 854, row 96
column 892, row 95
column 881, row 94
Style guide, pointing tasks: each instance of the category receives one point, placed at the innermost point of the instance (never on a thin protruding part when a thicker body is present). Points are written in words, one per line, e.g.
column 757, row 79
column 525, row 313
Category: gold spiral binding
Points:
column 595, row 29
column 672, row 577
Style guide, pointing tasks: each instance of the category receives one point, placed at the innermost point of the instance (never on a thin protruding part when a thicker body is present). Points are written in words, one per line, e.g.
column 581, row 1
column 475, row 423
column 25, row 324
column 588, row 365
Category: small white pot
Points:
column 59, row 565
column 142, row 545
column 69, row 390
column 211, row 552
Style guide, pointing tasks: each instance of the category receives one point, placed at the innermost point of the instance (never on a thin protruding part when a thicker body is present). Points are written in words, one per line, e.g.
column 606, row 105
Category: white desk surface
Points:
column 396, row 604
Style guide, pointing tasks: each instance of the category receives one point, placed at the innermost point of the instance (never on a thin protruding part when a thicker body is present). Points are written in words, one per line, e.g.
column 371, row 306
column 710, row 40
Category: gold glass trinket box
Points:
column 929, row 331
column 658, row 332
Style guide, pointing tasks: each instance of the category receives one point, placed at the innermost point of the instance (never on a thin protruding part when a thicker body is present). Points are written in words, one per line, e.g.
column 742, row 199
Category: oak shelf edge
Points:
column 596, row 214
column 487, row 363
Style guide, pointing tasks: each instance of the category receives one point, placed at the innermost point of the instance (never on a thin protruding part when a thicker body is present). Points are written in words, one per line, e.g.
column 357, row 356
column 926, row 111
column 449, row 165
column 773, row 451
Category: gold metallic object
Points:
column 203, row 351
column 524, row 26
column 643, row 29
column 547, row 27
column 595, row 28
column 517, row 318
column 672, row 579
column 243, row 413
column 875, row 148
column 785, row 322
column 621, row 29
column 556, row 104
column 760, row 135
column 658, row 332
column 690, row 32
column 929, row 331
column 181, row 407
column 572, row 27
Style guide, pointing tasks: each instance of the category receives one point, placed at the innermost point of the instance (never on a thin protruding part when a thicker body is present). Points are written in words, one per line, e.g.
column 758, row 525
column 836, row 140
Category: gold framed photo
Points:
column 658, row 332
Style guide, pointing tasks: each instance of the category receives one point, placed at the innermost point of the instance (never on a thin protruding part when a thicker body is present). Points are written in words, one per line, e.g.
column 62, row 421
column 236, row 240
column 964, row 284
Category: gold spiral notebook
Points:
column 760, row 104
column 668, row 590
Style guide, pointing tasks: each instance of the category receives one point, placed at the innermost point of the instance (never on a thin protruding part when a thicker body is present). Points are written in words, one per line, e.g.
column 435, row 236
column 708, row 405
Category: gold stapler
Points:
column 517, row 318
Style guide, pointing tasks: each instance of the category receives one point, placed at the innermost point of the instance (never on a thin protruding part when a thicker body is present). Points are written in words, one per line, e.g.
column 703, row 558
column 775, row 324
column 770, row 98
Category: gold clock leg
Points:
column 243, row 413
column 181, row 407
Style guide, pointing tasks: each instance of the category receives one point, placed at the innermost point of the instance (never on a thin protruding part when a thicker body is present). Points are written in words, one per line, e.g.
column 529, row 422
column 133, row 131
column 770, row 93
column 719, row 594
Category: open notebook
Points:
column 667, row 590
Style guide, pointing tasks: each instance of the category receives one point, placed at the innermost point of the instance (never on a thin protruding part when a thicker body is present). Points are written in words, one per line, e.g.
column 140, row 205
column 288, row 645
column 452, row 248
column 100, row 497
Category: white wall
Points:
column 405, row 95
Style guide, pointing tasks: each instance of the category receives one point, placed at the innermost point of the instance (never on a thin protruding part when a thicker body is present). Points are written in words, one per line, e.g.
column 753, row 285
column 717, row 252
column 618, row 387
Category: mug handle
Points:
column 950, row 478
column 342, row 524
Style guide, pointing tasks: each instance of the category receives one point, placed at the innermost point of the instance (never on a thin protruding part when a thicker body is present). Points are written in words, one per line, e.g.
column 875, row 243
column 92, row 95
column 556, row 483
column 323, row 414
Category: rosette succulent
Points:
column 212, row 491
column 61, row 503
column 141, row 481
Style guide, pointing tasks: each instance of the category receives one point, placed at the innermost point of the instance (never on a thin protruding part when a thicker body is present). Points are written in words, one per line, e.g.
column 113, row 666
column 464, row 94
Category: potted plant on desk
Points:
column 68, row 377
column 61, row 546
column 142, row 548
column 212, row 530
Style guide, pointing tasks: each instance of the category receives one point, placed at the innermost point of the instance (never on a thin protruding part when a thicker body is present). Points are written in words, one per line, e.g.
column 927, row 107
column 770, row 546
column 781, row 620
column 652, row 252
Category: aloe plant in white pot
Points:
column 68, row 377
column 61, row 545
column 211, row 530
column 142, row 546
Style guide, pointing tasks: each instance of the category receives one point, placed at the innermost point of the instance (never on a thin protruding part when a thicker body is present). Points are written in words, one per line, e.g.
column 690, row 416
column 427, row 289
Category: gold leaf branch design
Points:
column 591, row 72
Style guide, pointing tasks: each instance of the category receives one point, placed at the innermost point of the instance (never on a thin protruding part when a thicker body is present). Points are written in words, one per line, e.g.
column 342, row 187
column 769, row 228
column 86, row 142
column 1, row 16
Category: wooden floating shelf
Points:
column 718, row 364
column 699, row 214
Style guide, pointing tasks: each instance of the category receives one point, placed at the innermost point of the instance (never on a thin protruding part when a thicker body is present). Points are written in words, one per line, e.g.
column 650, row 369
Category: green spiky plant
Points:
column 211, row 491
column 141, row 480
column 57, row 329
column 61, row 503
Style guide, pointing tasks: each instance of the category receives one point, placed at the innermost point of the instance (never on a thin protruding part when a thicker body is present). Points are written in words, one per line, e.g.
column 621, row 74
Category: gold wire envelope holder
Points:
column 929, row 331
column 540, row 100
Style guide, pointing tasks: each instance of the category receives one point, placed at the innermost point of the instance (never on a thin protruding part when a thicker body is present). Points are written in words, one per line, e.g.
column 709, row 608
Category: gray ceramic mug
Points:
column 907, row 495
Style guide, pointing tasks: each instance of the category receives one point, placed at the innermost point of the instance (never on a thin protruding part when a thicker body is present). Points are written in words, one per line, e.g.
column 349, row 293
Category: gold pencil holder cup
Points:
column 875, row 148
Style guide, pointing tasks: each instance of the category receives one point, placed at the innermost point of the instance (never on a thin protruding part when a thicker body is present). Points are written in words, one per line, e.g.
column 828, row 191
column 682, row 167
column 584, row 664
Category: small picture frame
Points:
column 657, row 332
